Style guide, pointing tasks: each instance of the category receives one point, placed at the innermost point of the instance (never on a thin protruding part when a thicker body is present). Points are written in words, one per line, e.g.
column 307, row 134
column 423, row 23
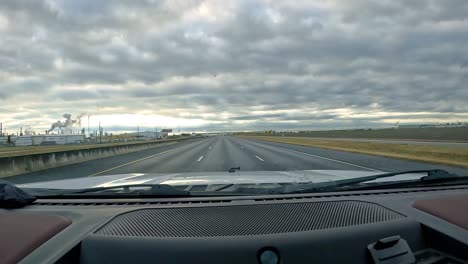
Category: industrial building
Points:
column 148, row 135
column 36, row 140
column 5, row 140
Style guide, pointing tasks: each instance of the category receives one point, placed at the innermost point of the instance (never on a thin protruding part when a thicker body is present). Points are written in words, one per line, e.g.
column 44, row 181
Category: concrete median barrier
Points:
column 20, row 164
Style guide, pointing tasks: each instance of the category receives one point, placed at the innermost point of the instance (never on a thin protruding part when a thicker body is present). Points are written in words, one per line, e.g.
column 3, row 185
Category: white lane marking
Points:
column 259, row 158
column 200, row 158
column 320, row 157
column 135, row 161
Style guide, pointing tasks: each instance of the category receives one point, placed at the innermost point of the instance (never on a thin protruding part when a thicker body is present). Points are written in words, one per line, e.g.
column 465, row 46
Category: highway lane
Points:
column 222, row 152
column 282, row 159
column 371, row 162
column 89, row 168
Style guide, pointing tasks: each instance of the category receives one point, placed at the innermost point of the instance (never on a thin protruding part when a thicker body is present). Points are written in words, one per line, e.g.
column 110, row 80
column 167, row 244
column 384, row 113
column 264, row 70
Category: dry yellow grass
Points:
column 426, row 153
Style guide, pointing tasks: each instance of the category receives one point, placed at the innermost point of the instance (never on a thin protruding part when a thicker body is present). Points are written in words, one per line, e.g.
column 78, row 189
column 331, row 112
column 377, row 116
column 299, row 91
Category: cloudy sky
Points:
column 214, row 65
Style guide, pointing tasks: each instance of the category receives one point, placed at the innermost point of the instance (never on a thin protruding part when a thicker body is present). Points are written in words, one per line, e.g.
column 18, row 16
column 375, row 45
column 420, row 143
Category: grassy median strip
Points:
column 434, row 154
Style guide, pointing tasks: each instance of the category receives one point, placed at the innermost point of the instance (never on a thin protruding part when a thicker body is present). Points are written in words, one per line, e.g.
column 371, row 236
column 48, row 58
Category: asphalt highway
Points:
column 220, row 153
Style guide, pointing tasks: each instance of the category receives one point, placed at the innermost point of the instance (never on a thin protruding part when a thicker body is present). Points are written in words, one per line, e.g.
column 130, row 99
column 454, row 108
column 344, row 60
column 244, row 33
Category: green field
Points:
column 442, row 134
column 425, row 153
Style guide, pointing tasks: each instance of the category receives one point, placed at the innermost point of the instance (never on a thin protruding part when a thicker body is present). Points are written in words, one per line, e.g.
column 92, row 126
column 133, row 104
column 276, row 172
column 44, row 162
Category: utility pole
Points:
column 1, row 129
column 138, row 132
column 89, row 134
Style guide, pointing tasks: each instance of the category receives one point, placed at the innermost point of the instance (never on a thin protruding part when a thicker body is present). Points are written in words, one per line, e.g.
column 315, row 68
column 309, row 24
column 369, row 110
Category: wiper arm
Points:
column 153, row 190
column 323, row 186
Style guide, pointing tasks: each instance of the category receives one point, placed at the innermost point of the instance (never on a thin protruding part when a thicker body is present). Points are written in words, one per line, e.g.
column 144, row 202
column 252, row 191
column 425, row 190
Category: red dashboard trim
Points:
column 453, row 209
column 22, row 233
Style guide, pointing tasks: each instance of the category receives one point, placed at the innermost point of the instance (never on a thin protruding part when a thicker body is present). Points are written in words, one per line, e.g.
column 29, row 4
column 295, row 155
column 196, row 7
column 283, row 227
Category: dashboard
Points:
column 413, row 225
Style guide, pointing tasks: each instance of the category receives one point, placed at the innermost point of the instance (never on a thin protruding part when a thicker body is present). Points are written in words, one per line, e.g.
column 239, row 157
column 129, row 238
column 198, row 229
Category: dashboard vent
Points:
column 244, row 220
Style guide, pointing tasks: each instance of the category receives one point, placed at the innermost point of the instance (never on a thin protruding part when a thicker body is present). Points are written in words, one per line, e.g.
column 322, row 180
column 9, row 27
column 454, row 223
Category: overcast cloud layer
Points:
column 234, row 65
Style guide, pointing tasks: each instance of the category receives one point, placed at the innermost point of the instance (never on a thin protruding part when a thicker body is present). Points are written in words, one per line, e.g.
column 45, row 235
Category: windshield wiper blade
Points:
column 152, row 190
column 324, row 186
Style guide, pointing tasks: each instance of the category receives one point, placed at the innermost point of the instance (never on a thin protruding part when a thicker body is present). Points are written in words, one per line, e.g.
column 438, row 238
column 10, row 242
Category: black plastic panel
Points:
column 256, row 219
column 300, row 228
column 335, row 245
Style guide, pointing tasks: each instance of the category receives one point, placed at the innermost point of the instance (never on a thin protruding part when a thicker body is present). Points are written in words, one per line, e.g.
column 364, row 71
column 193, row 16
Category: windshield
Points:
column 207, row 95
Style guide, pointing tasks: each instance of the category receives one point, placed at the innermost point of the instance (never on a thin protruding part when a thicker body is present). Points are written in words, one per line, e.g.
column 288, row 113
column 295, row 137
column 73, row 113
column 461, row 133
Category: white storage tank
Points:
column 37, row 140
column 24, row 141
column 3, row 140
column 56, row 139
column 64, row 139
column 77, row 138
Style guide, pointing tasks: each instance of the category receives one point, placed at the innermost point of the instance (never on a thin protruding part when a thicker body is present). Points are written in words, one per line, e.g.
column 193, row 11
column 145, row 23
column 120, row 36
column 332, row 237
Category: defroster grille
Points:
column 244, row 220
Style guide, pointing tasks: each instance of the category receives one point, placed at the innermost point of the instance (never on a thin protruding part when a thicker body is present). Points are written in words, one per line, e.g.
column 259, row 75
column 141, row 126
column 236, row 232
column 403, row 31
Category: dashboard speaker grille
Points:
column 245, row 220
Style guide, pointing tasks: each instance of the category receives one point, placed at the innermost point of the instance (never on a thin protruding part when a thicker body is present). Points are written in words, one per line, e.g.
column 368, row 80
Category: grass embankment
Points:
column 427, row 153
column 30, row 150
column 459, row 134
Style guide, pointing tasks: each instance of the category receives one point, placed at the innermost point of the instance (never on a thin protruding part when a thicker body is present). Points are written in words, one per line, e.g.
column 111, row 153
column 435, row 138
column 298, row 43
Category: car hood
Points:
column 212, row 178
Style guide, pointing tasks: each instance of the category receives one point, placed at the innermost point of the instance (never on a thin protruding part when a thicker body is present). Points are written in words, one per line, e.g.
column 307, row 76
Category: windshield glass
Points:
column 207, row 95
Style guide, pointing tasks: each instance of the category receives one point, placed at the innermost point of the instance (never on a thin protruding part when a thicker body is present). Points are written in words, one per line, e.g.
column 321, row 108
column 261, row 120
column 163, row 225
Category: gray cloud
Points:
column 267, row 63
column 78, row 95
